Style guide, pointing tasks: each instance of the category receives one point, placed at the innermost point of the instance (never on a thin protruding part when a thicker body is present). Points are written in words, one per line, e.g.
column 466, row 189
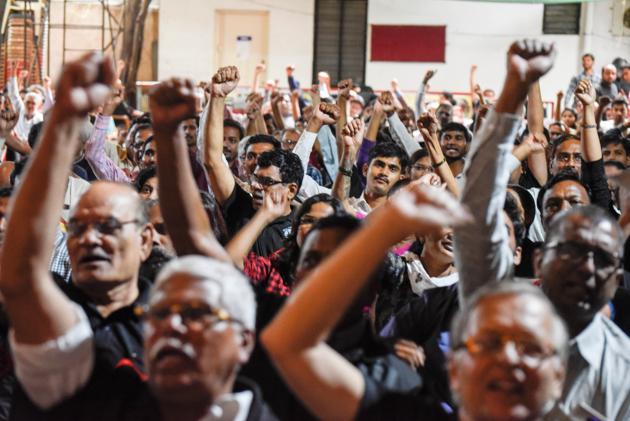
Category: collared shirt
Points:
column 594, row 78
column 60, row 261
column 101, row 164
column 97, row 353
column 420, row 280
column 360, row 206
column 597, row 374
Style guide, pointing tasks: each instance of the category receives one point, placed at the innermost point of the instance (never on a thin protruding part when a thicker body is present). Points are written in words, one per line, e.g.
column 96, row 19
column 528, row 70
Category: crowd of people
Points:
column 315, row 254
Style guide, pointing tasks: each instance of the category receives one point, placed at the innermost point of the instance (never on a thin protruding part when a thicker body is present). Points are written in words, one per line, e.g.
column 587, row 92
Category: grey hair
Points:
column 506, row 288
column 237, row 296
column 35, row 95
column 594, row 214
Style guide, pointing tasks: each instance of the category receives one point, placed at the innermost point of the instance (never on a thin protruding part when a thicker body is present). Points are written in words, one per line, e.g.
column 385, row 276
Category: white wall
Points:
column 480, row 33
column 186, row 41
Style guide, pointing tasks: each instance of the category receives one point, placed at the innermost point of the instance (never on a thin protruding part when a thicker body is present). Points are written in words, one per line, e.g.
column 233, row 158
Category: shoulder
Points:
column 617, row 342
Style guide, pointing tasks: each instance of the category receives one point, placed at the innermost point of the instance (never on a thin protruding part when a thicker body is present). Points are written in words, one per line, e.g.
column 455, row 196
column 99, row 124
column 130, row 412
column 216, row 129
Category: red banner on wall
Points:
column 408, row 43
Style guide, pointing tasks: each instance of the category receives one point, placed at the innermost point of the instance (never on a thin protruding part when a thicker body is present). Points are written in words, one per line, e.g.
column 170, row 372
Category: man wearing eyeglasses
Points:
column 108, row 238
column 580, row 263
column 276, row 170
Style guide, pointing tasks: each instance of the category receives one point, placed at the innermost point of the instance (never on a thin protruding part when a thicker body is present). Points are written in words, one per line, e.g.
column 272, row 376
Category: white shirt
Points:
column 420, row 280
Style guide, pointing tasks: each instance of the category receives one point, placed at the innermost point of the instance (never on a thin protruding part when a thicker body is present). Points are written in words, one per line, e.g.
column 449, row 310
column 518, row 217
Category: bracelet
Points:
column 346, row 172
column 589, row 126
column 439, row 163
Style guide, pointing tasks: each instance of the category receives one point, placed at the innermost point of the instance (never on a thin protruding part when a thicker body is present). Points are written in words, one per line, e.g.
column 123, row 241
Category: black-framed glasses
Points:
column 108, row 226
column 308, row 220
column 264, row 181
column 160, row 227
column 196, row 315
column 577, row 252
column 529, row 351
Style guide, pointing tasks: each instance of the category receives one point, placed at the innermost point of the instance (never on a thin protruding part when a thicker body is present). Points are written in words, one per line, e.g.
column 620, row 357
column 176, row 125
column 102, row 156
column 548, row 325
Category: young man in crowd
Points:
column 588, row 60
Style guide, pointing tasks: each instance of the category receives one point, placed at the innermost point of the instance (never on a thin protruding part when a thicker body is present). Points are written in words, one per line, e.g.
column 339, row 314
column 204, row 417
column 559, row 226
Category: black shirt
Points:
column 118, row 352
column 380, row 404
column 238, row 209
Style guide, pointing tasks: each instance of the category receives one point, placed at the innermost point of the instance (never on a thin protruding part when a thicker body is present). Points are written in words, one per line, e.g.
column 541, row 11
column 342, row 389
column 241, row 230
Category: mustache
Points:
column 172, row 343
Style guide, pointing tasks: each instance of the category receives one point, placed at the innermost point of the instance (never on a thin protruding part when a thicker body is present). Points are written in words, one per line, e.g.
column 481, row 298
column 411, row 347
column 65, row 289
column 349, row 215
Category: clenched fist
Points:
column 225, row 81
column 84, row 84
column 171, row 102
column 328, row 113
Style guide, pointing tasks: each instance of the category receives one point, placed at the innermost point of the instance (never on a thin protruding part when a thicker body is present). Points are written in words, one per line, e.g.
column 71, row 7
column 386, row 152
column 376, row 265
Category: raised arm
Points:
column 593, row 172
column 343, row 99
column 101, row 164
column 38, row 310
column 482, row 252
column 221, row 179
column 8, row 120
column 399, row 132
column 422, row 91
column 296, row 338
column 258, row 70
column 428, row 128
column 13, row 90
column 188, row 226
column 352, row 136
column 558, row 109
column 537, row 161
column 591, row 148
column 276, row 99
column 322, row 115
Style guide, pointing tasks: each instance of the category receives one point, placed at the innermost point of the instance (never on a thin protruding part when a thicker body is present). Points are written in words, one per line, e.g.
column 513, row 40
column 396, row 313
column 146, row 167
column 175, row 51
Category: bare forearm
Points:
column 180, row 202
column 18, row 145
column 535, row 112
column 277, row 117
column 591, row 148
column 442, row 169
column 221, row 178
column 341, row 187
column 374, row 126
column 537, row 164
column 341, row 123
column 240, row 245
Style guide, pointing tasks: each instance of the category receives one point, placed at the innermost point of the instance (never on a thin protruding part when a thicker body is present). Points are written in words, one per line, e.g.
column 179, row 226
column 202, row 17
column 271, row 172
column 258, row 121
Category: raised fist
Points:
column 429, row 123
column 585, row 92
column 254, row 97
column 529, row 60
column 252, row 109
column 428, row 75
column 84, row 84
column 260, row 67
column 171, row 102
column 8, row 116
column 328, row 113
column 116, row 96
column 344, row 87
column 224, row 81
column 352, row 134
column 387, row 102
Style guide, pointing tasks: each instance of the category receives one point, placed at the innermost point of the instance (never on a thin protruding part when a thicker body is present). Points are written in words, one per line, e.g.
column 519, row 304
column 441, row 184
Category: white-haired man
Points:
column 27, row 110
